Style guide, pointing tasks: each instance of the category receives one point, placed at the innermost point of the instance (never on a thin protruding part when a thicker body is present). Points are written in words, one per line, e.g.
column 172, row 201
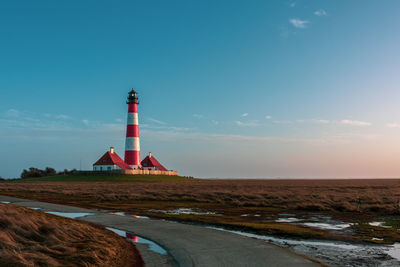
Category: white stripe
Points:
column 133, row 119
column 132, row 143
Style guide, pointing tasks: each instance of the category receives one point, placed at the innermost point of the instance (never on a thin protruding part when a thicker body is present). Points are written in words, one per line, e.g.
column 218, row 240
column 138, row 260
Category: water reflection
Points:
column 72, row 215
column 334, row 252
column 137, row 239
column 121, row 213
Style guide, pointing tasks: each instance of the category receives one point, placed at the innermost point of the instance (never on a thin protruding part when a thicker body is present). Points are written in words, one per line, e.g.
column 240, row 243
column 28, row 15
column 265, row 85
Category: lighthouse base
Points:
column 149, row 172
column 135, row 167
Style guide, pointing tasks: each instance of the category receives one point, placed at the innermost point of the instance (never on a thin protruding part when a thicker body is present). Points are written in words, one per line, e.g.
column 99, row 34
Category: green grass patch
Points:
column 394, row 223
column 105, row 178
column 234, row 223
column 369, row 233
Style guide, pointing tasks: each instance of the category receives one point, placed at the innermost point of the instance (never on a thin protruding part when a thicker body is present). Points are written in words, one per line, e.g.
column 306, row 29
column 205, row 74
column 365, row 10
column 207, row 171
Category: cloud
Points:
column 244, row 115
column 292, row 4
column 85, row 122
column 298, row 23
column 268, row 117
column 215, row 122
column 393, row 125
column 12, row 113
column 259, row 140
column 282, row 122
column 179, row 128
column 355, row 123
column 156, row 121
column 320, row 13
column 164, row 127
column 118, row 120
column 321, row 121
column 198, row 116
column 247, row 124
column 299, row 121
column 63, row 117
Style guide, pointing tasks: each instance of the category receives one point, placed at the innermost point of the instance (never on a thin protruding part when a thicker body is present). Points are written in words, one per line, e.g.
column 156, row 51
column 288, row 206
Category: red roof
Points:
column 112, row 159
column 150, row 161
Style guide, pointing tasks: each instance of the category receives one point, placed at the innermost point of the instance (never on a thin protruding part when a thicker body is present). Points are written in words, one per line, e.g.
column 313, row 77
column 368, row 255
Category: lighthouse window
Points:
column 144, row 164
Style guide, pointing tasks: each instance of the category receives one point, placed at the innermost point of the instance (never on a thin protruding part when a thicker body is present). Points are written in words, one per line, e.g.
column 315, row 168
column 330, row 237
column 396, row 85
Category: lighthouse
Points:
column 131, row 165
column 132, row 143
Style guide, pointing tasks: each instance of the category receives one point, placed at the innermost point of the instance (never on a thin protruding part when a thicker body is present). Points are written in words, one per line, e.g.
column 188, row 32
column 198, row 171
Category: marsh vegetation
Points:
column 33, row 238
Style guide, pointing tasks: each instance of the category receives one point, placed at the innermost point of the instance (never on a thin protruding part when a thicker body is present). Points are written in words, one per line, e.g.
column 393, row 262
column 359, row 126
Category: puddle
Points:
column 316, row 221
column 375, row 223
column 35, row 208
column 72, row 215
column 395, row 251
column 335, row 253
column 288, row 220
column 380, row 224
column 327, row 226
column 139, row 217
column 185, row 211
column 137, row 239
column 121, row 213
column 5, row 202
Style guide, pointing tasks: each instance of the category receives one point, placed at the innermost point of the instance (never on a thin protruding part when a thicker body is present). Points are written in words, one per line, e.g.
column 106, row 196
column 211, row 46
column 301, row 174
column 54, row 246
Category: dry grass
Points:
column 370, row 196
column 347, row 200
column 33, row 238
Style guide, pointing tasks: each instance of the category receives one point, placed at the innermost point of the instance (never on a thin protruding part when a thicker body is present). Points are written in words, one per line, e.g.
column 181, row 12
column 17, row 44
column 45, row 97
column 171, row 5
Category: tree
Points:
column 50, row 171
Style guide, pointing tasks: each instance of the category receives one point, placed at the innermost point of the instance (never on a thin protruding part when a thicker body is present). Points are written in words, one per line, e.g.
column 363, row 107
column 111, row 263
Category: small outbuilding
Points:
column 150, row 163
column 110, row 161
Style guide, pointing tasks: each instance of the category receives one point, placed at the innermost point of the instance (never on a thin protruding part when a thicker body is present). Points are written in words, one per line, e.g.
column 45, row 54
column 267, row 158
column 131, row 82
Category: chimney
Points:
column 149, row 154
column 112, row 150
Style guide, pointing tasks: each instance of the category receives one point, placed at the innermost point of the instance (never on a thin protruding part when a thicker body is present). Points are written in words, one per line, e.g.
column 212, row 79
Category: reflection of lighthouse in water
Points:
column 136, row 239
column 132, row 143
column 132, row 237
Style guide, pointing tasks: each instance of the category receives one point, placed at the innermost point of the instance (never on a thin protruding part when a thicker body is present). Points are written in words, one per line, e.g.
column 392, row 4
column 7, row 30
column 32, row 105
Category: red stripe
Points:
column 132, row 157
column 132, row 108
column 132, row 131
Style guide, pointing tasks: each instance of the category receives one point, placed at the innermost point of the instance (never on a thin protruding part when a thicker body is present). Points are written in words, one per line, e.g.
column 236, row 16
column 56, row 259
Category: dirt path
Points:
column 188, row 245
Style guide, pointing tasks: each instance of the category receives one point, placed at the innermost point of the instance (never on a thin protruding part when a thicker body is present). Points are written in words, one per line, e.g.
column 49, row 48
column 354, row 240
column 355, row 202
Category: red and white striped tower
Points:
column 132, row 144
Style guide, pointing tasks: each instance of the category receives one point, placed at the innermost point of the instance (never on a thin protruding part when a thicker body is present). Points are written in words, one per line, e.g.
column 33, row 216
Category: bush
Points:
column 35, row 172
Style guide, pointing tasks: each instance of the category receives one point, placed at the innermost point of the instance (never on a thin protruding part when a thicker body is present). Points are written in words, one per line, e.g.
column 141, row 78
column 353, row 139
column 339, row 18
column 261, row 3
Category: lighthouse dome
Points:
column 133, row 97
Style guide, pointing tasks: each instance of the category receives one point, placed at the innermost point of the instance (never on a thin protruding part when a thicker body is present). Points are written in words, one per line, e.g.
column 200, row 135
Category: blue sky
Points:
column 227, row 88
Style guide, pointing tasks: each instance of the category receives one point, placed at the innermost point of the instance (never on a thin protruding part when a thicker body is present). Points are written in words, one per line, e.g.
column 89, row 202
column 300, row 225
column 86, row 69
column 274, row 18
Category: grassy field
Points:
column 33, row 238
column 104, row 178
column 236, row 204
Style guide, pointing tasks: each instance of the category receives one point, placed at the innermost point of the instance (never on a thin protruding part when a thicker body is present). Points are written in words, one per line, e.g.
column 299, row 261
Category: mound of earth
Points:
column 33, row 238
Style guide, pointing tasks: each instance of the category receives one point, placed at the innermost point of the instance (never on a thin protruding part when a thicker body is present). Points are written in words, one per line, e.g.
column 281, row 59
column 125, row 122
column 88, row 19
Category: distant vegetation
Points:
column 35, row 172
column 75, row 176
column 34, row 238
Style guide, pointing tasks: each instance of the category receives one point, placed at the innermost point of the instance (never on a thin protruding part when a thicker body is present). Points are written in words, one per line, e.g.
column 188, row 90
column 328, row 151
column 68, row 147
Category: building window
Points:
column 109, row 168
